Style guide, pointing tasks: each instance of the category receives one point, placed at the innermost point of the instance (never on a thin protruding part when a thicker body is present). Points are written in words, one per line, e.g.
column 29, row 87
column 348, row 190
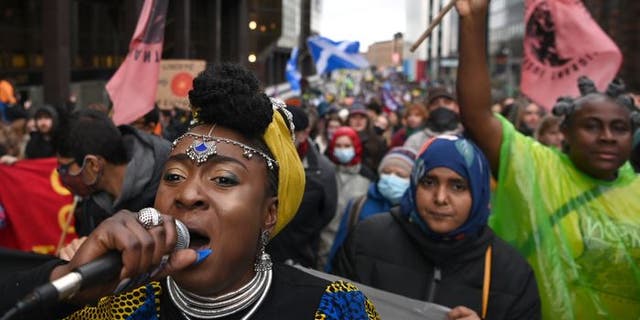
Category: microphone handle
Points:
column 106, row 268
column 101, row 270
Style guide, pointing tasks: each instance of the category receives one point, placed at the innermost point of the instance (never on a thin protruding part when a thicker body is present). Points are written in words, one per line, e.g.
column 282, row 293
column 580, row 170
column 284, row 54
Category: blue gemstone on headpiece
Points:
column 202, row 147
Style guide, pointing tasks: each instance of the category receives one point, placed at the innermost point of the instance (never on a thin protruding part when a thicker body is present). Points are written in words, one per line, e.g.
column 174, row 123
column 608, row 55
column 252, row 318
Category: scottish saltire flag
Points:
column 292, row 73
column 329, row 55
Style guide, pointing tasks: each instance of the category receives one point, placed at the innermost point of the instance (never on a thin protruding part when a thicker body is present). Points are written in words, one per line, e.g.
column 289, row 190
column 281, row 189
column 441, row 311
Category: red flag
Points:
column 36, row 206
column 562, row 42
column 133, row 87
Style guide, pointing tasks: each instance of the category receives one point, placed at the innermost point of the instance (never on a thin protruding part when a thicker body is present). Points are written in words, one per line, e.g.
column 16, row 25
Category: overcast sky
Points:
column 367, row 21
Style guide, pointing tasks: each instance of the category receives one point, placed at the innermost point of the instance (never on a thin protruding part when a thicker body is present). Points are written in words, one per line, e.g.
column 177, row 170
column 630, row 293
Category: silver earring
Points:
column 263, row 259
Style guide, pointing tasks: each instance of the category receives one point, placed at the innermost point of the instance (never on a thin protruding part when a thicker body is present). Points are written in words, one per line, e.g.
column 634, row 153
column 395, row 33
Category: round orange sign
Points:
column 181, row 84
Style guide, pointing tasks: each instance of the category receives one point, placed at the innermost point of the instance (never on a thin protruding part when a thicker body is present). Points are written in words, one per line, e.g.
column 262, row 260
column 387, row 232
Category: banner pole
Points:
column 434, row 24
column 67, row 223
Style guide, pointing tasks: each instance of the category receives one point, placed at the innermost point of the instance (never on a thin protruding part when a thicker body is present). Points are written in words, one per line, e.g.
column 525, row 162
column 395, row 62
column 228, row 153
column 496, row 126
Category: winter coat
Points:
column 350, row 185
column 357, row 210
column 39, row 144
column 298, row 241
column 374, row 148
column 390, row 253
column 416, row 140
column 147, row 154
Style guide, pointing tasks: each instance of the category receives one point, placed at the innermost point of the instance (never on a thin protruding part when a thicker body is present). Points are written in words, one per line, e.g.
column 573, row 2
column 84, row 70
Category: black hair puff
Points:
column 586, row 86
column 563, row 107
column 616, row 88
column 229, row 96
column 628, row 102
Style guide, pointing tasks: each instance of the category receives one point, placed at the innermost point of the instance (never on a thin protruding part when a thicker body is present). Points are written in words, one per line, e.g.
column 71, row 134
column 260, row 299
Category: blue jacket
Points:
column 374, row 203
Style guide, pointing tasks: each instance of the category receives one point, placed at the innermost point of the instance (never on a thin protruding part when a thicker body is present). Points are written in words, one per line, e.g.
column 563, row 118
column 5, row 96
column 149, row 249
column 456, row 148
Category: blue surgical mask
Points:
column 344, row 155
column 392, row 187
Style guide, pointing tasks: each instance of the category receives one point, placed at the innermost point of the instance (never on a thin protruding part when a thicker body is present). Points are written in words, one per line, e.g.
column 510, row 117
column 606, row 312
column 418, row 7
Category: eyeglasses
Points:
column 63, row 169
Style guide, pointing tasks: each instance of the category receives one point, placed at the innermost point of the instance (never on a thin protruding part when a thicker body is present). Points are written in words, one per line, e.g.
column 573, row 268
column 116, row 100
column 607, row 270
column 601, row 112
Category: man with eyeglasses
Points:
column 111, row 168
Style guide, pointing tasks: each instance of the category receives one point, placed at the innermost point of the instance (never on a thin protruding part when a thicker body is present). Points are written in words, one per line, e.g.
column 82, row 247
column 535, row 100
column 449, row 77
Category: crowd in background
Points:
column 358, row 135
column 28, row 132
column 494, row 207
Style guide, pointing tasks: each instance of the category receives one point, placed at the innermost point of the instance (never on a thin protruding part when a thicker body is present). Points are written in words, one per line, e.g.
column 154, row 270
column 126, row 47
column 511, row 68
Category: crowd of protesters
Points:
column 358, row 153
column 399, row 180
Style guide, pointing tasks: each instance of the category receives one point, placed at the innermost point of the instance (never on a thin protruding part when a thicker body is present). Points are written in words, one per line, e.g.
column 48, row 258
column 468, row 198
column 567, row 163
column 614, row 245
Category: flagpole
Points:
column 66, row 225
column 434, row 24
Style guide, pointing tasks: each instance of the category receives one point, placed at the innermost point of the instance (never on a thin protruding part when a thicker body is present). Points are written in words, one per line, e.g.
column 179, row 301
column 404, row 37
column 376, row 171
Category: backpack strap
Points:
column 354, row 213
column 486, row 283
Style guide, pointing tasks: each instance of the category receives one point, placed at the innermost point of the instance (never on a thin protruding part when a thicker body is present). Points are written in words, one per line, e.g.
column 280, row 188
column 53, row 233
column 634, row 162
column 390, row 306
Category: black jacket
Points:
column 147, row 155
column 293, row 294
column 39, row 146
column 388, row 252
column 373, row 150
column 20, row 273
column 298, row 241
column 42, row 145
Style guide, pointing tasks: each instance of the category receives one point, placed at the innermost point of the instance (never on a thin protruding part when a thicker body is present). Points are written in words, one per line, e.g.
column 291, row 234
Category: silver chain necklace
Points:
column 254, row 292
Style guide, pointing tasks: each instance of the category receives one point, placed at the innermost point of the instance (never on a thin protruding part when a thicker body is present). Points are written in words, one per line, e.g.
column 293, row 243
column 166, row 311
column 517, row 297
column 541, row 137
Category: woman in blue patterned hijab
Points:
column 449, row 192
column 438, row 247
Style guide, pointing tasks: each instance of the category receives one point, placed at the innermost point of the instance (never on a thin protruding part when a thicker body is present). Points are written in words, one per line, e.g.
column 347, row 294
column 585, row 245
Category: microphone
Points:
column 98, row 271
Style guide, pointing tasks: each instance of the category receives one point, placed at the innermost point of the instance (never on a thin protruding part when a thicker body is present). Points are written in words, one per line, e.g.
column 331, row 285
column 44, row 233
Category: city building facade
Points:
column 386, row 54
column 437, row 57
column 62, row 48
column 619, row 19
column 505, row 39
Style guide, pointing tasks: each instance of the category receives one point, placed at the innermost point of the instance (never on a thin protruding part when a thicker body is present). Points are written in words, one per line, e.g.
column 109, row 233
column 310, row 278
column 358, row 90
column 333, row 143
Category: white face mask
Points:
column 344, row 155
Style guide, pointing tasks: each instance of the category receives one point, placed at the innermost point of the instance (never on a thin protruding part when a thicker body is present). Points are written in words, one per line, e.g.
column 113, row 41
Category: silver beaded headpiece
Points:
column 280, row 105
column 206, row 145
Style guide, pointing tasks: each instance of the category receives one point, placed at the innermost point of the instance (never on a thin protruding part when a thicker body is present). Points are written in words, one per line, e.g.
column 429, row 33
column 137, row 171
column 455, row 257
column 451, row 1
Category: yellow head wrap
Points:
column 291, row 178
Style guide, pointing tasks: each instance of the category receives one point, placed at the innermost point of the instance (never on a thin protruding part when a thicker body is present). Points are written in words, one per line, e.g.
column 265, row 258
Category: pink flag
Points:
column 133, row 87
column 562, row 42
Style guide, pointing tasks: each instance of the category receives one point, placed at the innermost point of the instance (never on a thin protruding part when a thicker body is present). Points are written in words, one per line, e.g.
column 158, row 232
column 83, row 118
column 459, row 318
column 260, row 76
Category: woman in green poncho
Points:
column 575, row 214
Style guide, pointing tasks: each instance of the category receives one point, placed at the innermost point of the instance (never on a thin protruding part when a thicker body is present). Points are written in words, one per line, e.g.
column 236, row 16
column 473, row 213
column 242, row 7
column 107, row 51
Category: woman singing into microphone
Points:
column 235, row 180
